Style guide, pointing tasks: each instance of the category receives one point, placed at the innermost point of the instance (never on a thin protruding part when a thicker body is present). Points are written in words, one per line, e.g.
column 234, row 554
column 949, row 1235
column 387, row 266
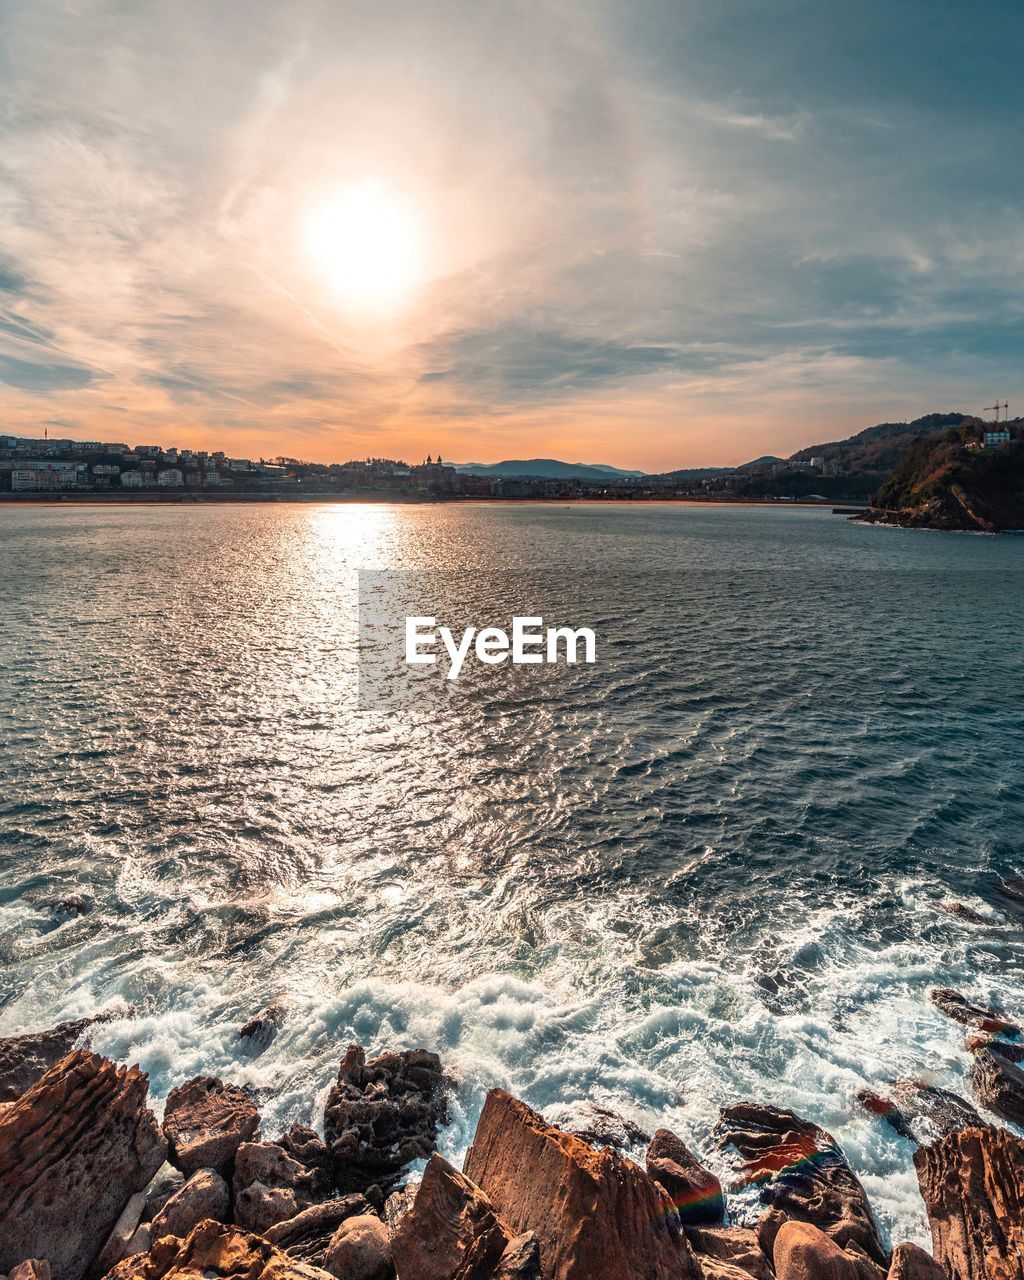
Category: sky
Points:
column 647, row 233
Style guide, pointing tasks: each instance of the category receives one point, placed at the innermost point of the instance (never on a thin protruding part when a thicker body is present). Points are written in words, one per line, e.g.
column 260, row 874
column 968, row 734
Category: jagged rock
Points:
column 803, row 1252
column 694, row 1190
column 32, row 1269
column 716, row 1269
column 160, row 1188
column 595, row 1213
column 452, row 1229
column 24, row 1058
column 213, row 1251
column 960, row 1009
column 911, row 1263
column 599, row 1126
column 1011, row 887
column 361, row 1250
column 920, row 1112
column 382, row 1114
column 521, row 1259
column 1011, row 1052
column 80, row 1138
column 205, row 1122
column 205, row 1195
column 272, row 1185
column 802, row 1175
column 999, row 1085
column 261, row 1029
column 307, row 1236
column 973, row 1188
column 125, row 1227
column 736, row 1246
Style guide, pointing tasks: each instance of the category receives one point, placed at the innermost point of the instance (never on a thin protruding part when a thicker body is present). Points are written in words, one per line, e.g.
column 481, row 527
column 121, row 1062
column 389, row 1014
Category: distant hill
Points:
column 949, row 482
column 546, row 469
column 878, row 449
column 766, row 460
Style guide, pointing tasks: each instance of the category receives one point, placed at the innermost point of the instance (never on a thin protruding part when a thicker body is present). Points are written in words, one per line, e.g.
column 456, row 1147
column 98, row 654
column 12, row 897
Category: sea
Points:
column 709, row 867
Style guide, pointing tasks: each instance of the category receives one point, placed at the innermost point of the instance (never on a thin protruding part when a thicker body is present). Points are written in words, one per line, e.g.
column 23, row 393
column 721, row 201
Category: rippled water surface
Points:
column 801, row 737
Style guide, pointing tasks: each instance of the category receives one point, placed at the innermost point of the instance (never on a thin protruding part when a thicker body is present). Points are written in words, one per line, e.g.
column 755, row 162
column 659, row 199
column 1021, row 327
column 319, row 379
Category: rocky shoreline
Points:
column 93, row 1186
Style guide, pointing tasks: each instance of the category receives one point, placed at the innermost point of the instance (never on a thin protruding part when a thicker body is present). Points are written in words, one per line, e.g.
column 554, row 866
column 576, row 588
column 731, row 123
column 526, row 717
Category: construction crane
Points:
column 993, row 408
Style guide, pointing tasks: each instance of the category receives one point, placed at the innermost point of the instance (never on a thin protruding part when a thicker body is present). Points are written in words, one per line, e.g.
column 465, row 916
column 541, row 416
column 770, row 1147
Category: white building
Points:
column 169, row 478
column 994, row 439
column 131, row 479
column 28, row 479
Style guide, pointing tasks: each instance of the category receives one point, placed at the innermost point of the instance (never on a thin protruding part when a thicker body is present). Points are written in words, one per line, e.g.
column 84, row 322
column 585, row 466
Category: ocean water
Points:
column 800, row 738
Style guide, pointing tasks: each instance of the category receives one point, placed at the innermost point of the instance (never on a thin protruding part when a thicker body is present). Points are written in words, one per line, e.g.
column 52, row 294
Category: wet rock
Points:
column 204, row 1195
column 261, row 1029
column 782, row 992
column 972, row 1183
column 920, row 1112
column 521, row 1259
column 160, row 1188
column 694, row 1190
column 594, row 1213
column 116, row 1246
column 736, row 1246
column 361, row 1250
column 999, row 1085
column 452, row 1229
column 1011, row 887
column 272, row 1185
column 205, row 1122
column 802, row 1175
column 1011, row 1052
column 912, row 1263
column 213, row 1251
column 599, row 1126
column 960, row 1009
column 307, row 1236
column 963, row 912
column 803, row 1252
column 24, row 1058
column 80, row 1138
column 382, row 1114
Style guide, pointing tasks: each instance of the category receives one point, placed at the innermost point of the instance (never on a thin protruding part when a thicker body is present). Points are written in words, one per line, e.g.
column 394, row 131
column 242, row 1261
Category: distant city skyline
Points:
column 650, row 235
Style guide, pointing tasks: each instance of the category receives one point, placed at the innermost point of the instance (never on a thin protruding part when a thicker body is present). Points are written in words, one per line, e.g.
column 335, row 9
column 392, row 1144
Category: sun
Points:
column 366, row 242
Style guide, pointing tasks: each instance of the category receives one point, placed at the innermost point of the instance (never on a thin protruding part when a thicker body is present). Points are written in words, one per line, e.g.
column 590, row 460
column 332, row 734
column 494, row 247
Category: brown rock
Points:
column 918, row 1111
column 205, row 1195
column 802, row 1175
column 398, row 1204
column 960, row 1009
column 802, row 1252
column 80, row 1138
column 32, row 1269
column 24, row 1058
column 272, row 1182
column 973, row 1188
column 911, row 1263
column 213, row 1251
column 125, row 1227
column 205, row 1122
column 694, row 1190
column 452, row 1229
column 307, row 1236
column 383, row 1114
column 735, row 1245
column 999, row 1085
column 717, row 1269
column 521, row 1259
column 361, row 1250
column 963, row 912
column 594, row 1212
